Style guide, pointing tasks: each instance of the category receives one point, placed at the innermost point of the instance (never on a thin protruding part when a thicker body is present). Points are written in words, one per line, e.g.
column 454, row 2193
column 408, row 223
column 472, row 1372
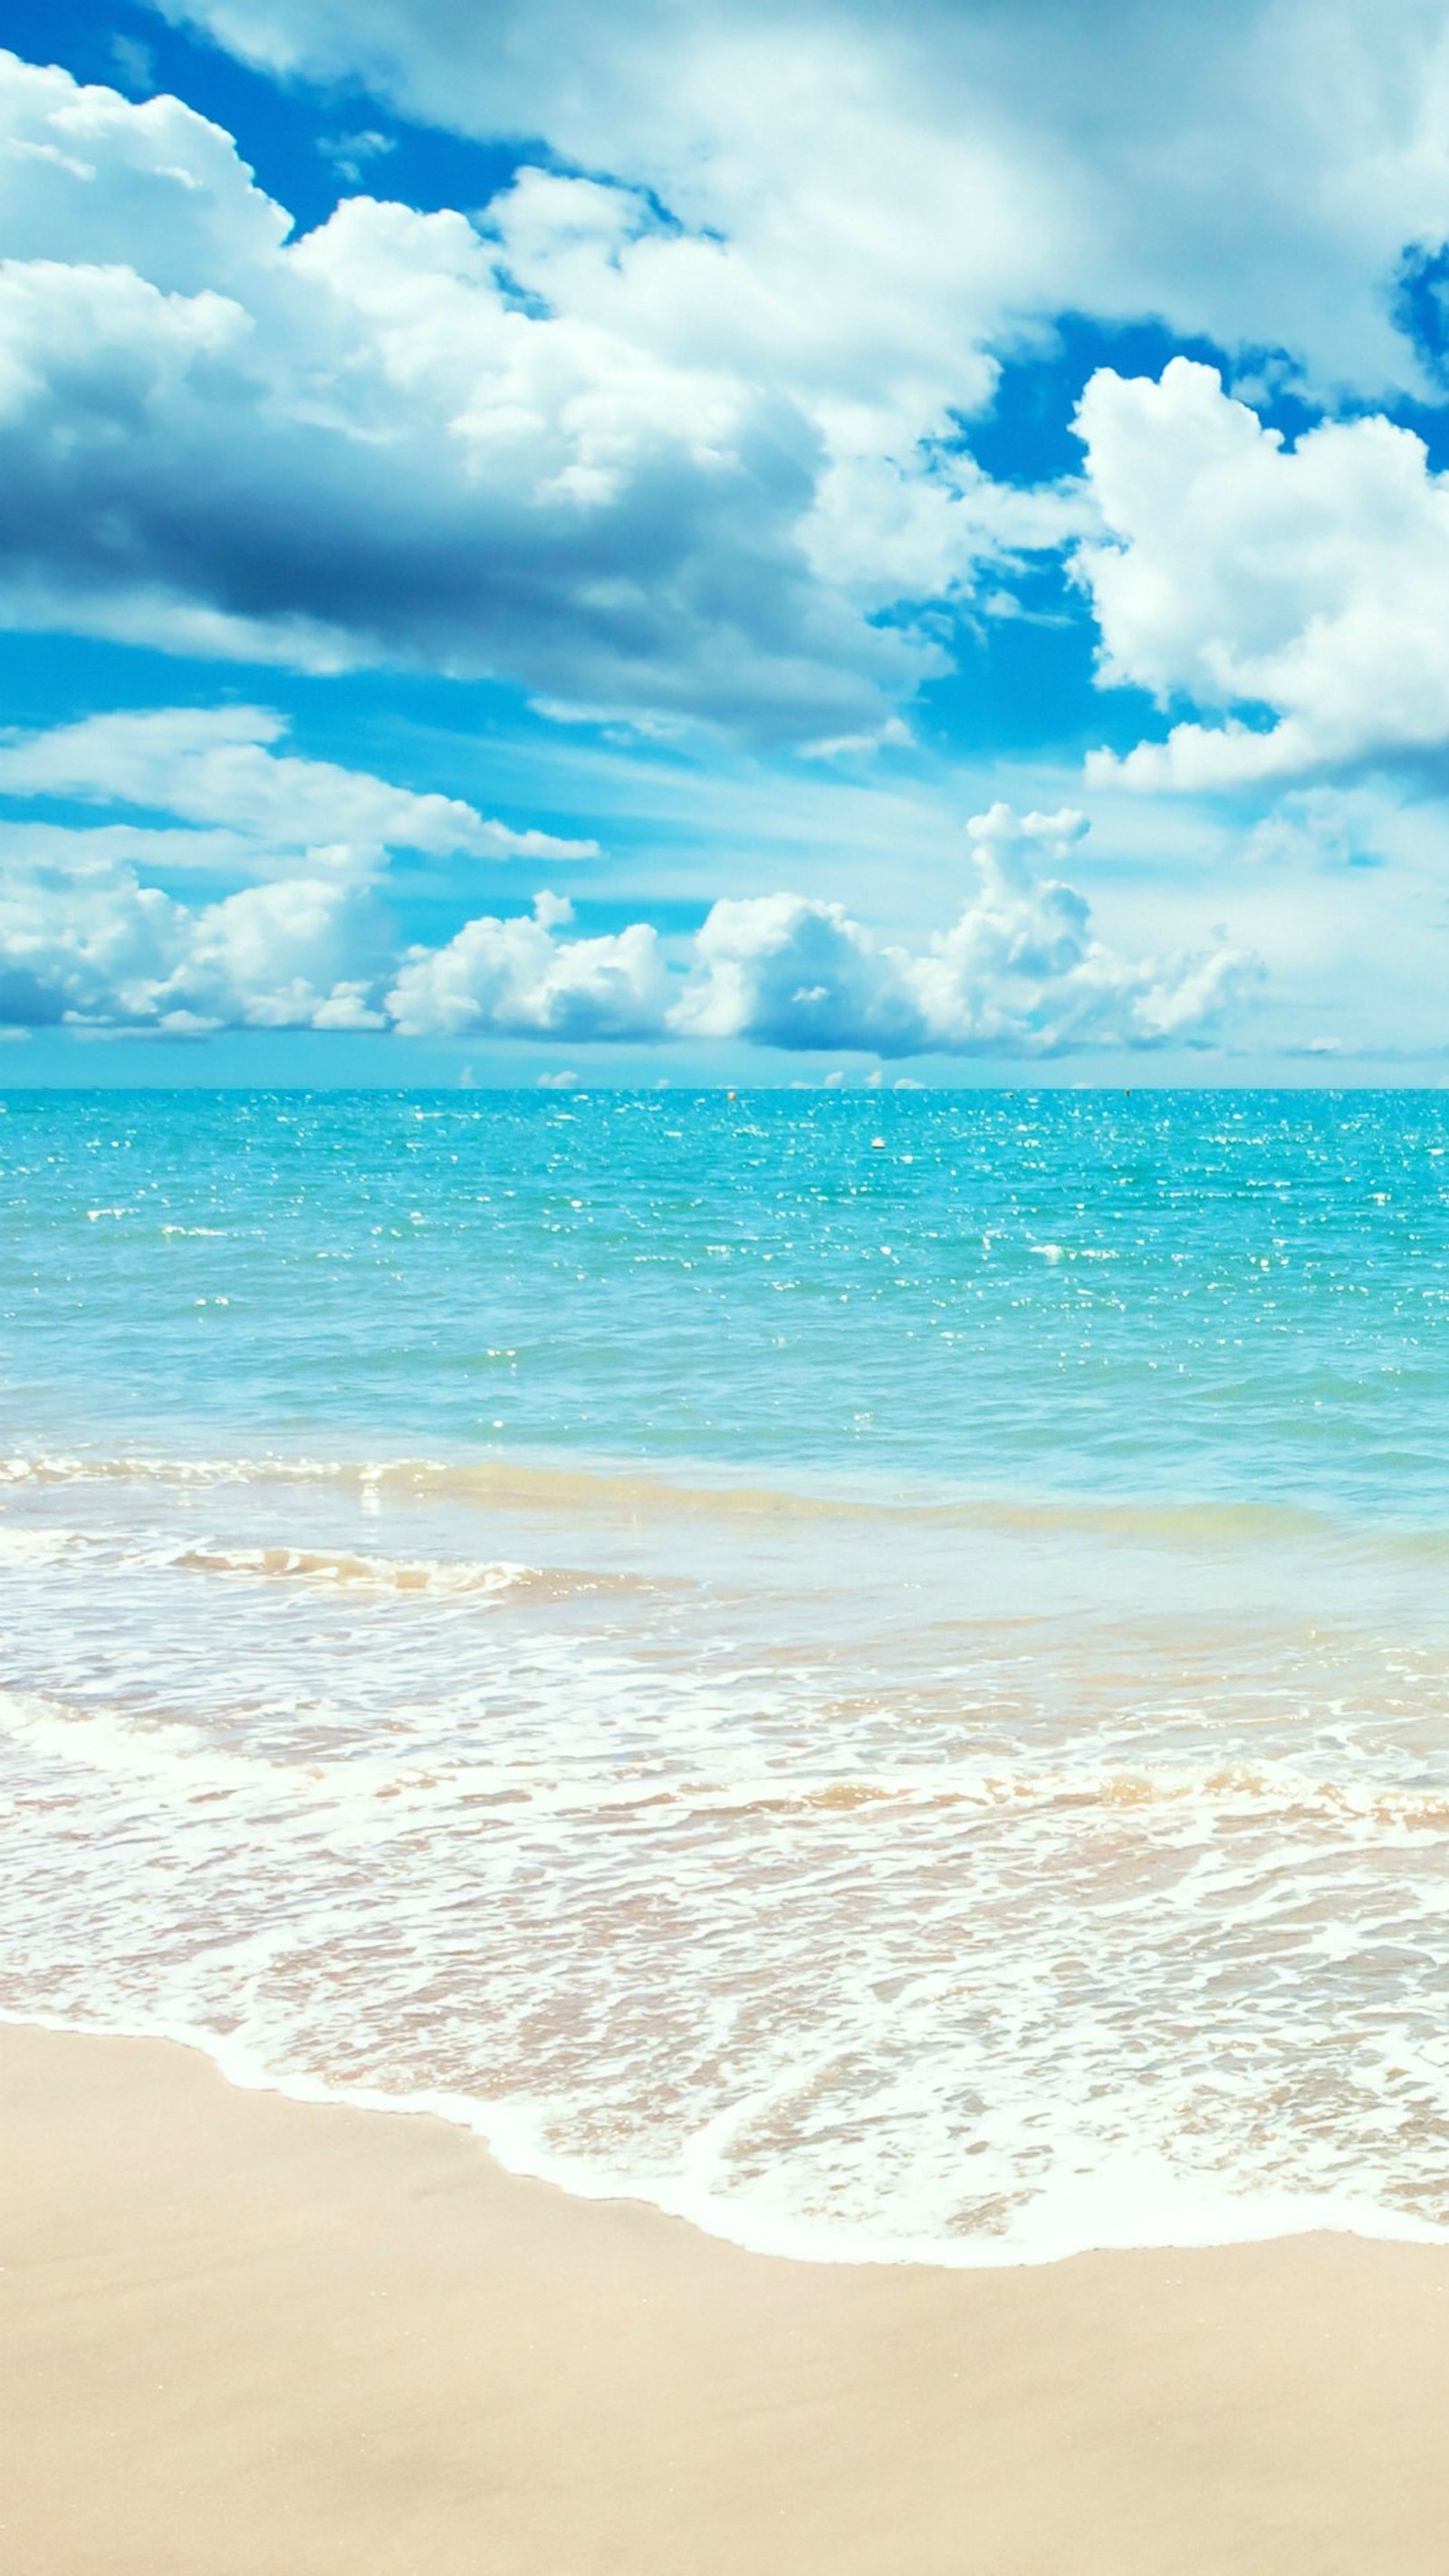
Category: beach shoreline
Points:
column 251, row 2336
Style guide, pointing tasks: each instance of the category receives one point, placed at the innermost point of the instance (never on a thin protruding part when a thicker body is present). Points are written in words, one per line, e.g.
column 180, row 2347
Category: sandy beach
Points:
column 250, row 2337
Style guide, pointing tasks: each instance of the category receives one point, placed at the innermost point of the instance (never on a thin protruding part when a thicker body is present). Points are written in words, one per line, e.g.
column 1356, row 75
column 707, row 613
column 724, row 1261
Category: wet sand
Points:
column 250, row 2337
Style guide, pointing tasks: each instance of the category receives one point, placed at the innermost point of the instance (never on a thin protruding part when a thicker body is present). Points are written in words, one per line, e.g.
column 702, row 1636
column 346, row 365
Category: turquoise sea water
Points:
column 870, row 1667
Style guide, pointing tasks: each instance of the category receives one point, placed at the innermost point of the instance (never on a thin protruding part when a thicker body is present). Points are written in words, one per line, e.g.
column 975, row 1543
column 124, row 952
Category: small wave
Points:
column 485, row 1481
column 329, row 1569
column 123, row 1741
column 118, row 1745
column 344, row 1570
column 129, row 1745
column 610, row 1492
column 1244, row 1789
column 141, row 1468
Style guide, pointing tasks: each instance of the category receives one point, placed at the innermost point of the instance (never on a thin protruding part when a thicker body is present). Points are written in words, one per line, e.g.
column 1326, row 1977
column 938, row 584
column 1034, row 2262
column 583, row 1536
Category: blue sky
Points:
column 748, row 545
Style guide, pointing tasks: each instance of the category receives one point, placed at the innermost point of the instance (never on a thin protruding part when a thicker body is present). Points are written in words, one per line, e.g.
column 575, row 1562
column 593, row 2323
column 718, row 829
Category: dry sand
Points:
column 249, row 2337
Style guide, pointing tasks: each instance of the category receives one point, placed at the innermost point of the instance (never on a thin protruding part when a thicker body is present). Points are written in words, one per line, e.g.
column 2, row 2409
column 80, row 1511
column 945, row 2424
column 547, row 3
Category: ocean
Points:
column 869, row 1668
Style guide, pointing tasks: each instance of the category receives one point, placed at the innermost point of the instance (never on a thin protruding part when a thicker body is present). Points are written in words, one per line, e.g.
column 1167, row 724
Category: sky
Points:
column 758, row 544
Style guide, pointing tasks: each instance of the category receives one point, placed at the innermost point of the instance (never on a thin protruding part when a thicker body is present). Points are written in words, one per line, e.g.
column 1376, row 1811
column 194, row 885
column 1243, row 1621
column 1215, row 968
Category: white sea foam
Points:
column 1123, row 2205
column 103, row 1741
column 695, row 1869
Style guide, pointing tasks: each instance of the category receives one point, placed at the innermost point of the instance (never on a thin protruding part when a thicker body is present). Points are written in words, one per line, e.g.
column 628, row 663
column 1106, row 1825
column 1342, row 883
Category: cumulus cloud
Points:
column 89, row 947
column 791, row 971
column 86, row 942
column 573, row 444
column 86, row 949
column 515, row 979
column 1021, row 971
column 1310, row 581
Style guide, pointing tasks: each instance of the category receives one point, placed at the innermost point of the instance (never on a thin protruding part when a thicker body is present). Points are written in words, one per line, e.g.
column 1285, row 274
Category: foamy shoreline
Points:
column 967, row 1895
column 246, row 2330
column 1141, row 2210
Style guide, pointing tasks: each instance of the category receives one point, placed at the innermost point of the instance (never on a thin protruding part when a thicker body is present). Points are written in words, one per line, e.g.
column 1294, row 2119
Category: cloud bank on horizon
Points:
column 311, row 943
column 708, row 436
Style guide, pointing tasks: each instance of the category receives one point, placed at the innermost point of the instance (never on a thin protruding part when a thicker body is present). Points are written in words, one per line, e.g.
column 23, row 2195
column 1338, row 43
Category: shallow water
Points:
column 874, row 1670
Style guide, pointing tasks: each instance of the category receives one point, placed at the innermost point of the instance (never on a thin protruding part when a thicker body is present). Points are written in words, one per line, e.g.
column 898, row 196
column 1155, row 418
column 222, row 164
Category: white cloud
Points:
column 1019, row 973
column 894, row 735
column 790, row 971
column 97, row 950
column 516, row 979
column 147, row 188
column 219, row 766
column 1310, row 581
column 668, row 442
column 893, row 189
column 924, row 527
column 580, row 448
column 85, row 941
